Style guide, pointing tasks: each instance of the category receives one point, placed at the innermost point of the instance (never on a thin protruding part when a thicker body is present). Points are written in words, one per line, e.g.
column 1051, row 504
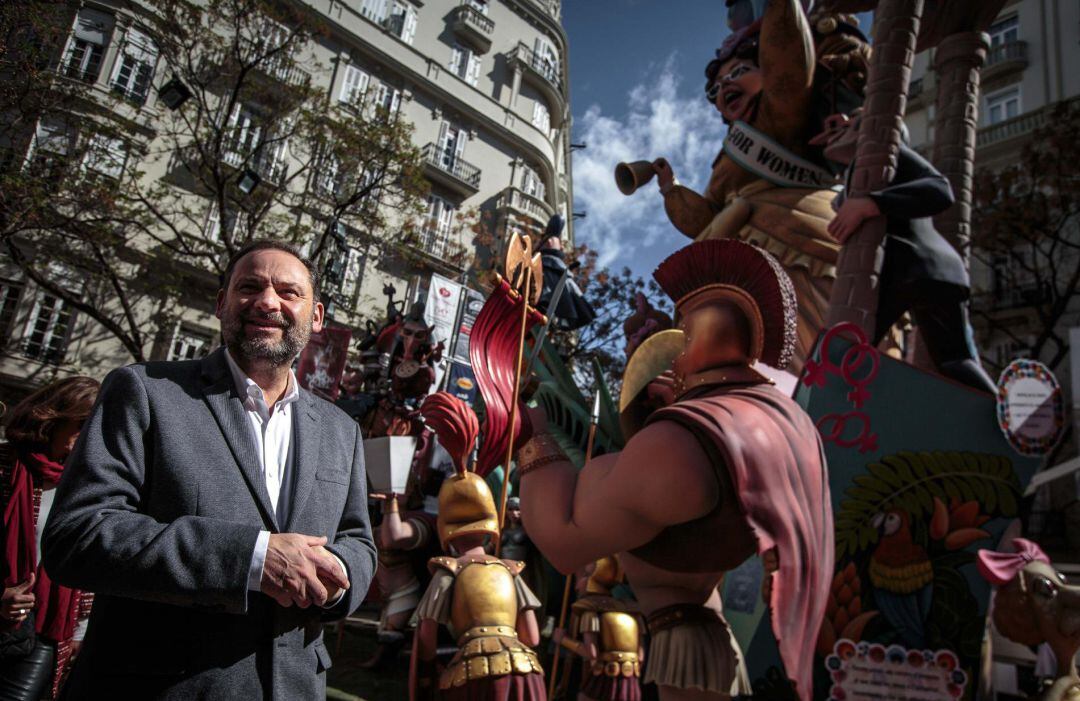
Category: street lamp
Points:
column 174, row 93
column 248, row 181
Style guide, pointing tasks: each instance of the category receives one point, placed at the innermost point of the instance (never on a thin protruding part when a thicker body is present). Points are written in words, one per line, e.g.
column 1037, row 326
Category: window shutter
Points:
column 446, row 219
column 353, row 86
column 459, row 144
column 93, row 26
column 456, row 57
column 140, row 46
column 374, row 10
column 541, row 117
column 444, row 133
column 473, row 76
column 410, row 26
column 212, row 230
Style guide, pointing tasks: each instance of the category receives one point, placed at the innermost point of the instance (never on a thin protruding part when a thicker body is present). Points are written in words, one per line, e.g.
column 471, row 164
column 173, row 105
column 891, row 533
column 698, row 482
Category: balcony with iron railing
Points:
column 279, row 68
column 451, row 171
column 543, row 72
column 434, row 242
column 1004, row 58
column 513, row 200
column 268, row 165
column 1018, row 126
column 473, row 26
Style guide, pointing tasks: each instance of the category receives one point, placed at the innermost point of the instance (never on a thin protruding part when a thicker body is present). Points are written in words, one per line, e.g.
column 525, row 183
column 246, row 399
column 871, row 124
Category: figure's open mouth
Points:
column 735, row 102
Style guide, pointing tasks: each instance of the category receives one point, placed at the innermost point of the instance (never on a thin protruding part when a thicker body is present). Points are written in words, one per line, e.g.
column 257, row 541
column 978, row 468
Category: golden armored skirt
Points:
column 489, row 651
column 617, row 664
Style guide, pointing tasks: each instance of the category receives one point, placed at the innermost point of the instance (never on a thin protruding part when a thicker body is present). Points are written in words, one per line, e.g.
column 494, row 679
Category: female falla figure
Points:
column 481, row 599
column 773, row 82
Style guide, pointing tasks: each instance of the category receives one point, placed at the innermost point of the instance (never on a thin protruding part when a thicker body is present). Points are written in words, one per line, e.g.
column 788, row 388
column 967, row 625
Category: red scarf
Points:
column 56, row 606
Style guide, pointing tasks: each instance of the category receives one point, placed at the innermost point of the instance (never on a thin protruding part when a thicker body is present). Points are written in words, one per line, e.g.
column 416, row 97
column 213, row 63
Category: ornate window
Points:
column 48, row 328
column 105, row 155
column 134, row 69
column 189, row 344
column 86, row 48
column 465, row 64
column 354, row 86
column 1005, row 31
column 1003, row 105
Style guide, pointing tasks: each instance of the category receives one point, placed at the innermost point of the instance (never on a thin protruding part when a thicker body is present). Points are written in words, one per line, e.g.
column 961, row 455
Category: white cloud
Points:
column 666, row 116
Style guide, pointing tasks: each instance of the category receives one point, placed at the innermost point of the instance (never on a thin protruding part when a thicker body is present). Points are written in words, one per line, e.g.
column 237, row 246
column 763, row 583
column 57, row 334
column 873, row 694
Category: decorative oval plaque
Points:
column 1030, row 407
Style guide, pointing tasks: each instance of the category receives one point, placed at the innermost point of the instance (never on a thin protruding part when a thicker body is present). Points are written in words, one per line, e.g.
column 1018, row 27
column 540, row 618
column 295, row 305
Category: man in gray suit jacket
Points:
column 217, row 510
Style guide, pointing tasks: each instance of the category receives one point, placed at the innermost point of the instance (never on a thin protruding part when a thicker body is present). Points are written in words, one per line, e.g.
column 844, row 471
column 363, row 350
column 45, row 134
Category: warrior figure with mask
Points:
column 731, row 468
column 606, row 633
column 481, row 599
column 773, row 81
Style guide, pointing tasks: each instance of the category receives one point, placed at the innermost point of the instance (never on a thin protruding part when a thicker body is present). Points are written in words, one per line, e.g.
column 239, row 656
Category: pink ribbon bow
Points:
column 1000, row 568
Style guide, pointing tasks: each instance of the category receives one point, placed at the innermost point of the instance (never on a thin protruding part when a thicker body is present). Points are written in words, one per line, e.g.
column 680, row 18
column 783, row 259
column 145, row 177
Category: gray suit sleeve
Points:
column 353, row 542
column 98, row 537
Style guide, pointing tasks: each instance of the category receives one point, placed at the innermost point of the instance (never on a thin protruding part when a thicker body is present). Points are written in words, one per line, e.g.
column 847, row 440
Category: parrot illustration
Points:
column 902, row 577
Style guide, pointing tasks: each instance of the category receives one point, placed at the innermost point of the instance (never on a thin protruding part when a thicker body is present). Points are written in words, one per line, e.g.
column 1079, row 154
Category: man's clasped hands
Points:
column 299, row 570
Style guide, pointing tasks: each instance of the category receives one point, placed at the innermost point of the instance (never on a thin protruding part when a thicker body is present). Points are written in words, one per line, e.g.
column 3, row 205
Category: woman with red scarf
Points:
column 41, row 623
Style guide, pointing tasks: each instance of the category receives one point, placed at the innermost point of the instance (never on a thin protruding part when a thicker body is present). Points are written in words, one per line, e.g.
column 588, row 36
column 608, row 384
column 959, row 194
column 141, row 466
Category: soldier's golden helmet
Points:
column 607, row 572
column 465, row 506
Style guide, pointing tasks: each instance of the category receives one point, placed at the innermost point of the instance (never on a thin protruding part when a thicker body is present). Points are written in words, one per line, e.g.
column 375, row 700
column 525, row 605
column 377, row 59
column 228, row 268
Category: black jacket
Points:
column 914, row 250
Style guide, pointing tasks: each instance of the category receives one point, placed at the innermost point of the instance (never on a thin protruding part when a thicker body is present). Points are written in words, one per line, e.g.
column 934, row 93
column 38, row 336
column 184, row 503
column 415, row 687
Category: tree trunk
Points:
column 858, row 270
column 957, row 62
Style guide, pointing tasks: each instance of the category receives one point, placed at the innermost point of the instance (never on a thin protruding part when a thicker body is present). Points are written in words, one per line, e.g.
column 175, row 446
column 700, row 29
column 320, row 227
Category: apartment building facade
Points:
column 1029, row 69
column 482, row 82
column 1030, row 66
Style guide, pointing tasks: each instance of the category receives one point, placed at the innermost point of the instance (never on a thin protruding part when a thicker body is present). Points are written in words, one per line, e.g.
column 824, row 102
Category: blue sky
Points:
column 637, row 92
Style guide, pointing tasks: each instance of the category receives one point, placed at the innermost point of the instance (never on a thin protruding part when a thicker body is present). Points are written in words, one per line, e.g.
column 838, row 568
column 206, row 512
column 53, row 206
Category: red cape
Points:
column 775, row 459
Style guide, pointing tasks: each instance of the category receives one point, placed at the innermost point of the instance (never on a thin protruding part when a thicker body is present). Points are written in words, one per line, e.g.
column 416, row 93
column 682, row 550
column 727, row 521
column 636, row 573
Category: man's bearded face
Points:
column 268, row 312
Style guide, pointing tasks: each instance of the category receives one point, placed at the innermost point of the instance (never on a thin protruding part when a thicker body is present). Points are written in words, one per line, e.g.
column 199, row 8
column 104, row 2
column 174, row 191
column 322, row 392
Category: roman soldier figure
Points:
column 481, row 599
column 606, row 633
column 731, row 468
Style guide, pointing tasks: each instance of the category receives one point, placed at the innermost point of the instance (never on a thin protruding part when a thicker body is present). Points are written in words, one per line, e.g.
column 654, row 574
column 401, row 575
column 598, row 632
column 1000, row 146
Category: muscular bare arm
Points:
column 786, row 56
column 619, row 501
column 688, row 211
column 395, row 533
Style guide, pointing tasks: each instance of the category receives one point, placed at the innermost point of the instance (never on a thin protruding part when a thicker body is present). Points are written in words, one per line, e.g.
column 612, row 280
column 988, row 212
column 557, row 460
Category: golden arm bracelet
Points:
column 542, row 449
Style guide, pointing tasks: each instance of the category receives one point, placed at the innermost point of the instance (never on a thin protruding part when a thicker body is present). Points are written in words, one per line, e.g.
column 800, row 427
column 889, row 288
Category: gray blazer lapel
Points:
column 220, row 393
column 307, row 437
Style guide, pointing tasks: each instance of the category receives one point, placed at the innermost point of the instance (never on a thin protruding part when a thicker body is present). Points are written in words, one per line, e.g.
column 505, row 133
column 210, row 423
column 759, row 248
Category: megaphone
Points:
column 630, row 176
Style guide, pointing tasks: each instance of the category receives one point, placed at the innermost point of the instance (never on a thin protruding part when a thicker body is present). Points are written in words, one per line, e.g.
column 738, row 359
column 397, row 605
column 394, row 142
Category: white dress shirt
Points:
column 272, row 430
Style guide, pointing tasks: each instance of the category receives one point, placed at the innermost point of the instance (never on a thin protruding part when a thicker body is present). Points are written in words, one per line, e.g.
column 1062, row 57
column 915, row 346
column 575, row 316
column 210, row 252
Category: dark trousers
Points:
column 28, row 678
column 941, row 313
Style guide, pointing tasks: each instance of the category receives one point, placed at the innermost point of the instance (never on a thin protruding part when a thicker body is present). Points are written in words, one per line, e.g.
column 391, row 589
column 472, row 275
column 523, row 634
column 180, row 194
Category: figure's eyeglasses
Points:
column 739, row 71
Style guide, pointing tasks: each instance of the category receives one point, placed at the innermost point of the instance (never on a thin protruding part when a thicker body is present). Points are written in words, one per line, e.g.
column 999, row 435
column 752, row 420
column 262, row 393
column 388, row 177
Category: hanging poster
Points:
column 440, row 313
column 473, row 303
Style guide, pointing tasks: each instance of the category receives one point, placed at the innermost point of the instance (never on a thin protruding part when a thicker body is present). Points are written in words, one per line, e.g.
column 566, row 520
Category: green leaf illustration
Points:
column 909, row 481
